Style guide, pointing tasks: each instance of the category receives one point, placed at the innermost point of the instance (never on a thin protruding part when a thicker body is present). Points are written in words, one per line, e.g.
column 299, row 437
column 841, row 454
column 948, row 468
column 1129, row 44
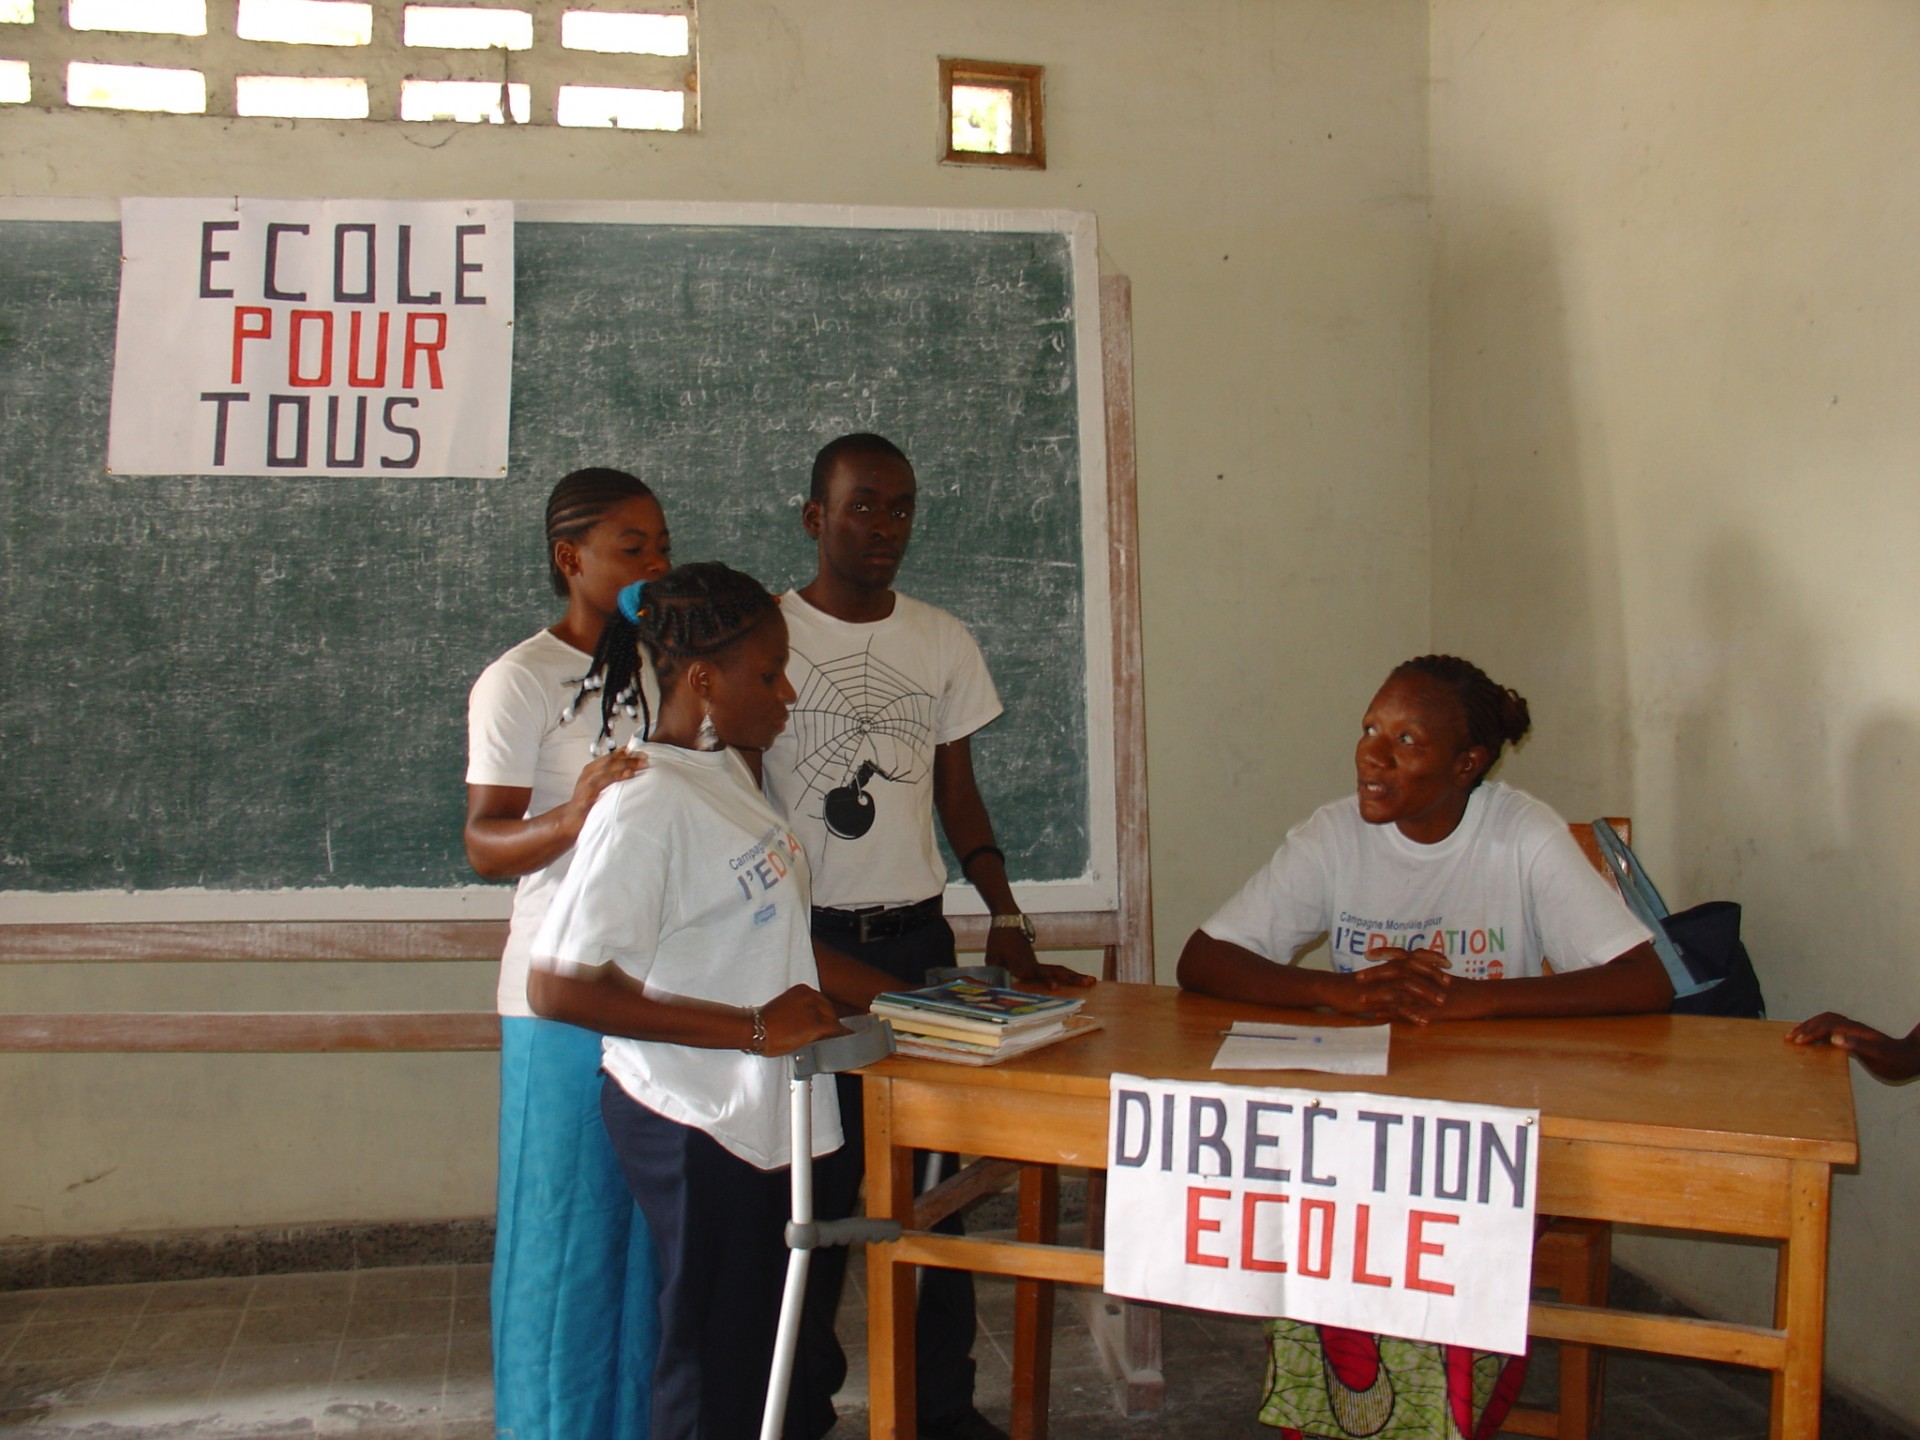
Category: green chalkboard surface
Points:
column 260, row 684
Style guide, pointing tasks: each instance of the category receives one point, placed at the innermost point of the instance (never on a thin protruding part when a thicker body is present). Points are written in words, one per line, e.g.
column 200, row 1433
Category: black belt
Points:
column 878, row 922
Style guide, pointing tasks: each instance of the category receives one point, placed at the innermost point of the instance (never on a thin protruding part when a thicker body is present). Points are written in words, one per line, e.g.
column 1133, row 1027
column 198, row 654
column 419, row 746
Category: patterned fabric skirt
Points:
column 1325, row 1383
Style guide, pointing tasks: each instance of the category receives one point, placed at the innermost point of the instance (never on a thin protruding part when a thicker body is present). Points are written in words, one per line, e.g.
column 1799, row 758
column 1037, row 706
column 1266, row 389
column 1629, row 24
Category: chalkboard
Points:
column 259, row 685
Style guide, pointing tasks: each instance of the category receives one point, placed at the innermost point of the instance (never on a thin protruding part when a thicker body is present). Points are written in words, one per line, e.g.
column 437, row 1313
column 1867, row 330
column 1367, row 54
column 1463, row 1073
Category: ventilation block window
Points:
column 308, row 97
column 448, row 28
column 148, row 17
column 472, row 101
column 614, row 34
column 590, row 106
column 306, row 22
column 592, row 64
column 136, row 87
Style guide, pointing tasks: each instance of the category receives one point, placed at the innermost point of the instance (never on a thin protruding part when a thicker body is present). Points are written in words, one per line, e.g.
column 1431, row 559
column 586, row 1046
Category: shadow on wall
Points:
column 1801, row 802
column 1795, row 798
column 1526, row 559
column 1748, row 757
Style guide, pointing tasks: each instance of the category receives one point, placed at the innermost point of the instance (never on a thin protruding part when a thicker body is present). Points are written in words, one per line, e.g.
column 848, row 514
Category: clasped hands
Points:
column 1409, row 985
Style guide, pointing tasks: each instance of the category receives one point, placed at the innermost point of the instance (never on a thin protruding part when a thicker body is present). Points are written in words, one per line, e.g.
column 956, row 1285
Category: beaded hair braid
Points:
column 693, row 612
column 581, row 501
column 1496, row 715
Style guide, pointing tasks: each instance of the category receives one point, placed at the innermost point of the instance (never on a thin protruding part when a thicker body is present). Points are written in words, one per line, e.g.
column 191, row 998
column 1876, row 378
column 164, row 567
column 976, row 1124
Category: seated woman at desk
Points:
column 1430, row 887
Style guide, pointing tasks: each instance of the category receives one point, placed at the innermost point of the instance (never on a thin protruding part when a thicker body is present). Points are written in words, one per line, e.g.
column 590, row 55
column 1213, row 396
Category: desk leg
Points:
column 1800, row 1305
column 891, row 1402
column 1039, row 1222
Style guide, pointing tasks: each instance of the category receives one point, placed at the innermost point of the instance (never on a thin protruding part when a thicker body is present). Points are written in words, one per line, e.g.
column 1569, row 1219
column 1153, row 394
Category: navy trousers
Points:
column 718, row 1228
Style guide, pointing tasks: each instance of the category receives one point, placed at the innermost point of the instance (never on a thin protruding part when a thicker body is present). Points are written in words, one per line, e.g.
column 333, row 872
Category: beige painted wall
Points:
column 1675, row 442
column 1258, row 169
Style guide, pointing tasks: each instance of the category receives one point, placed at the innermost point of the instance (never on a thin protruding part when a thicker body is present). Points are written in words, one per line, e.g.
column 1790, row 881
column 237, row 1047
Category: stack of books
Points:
column 972, row 1024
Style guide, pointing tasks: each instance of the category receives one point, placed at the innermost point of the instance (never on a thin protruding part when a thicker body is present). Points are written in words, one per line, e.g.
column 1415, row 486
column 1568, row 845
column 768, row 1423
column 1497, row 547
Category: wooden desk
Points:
column 1673, row 1121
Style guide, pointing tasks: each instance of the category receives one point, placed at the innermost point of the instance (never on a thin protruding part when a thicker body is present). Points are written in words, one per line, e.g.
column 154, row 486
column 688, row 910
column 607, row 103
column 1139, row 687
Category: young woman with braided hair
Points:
column 1441, row 898
column 683, row 933
column 574, row 1299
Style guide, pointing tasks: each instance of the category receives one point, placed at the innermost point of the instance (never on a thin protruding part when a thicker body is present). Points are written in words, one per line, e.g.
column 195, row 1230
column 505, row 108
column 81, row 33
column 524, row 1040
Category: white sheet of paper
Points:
column 1343, row 1050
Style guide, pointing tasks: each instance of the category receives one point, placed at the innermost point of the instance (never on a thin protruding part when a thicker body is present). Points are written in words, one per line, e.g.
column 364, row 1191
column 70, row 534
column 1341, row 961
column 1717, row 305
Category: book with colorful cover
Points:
column 969, row 1002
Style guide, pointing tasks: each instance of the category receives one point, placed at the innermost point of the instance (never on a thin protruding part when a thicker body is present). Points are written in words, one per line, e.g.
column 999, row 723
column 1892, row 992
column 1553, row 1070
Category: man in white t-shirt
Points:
column 877, row 745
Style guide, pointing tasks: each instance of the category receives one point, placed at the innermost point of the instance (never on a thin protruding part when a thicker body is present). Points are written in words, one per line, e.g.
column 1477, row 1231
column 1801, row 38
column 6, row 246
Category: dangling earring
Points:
column 708, row 738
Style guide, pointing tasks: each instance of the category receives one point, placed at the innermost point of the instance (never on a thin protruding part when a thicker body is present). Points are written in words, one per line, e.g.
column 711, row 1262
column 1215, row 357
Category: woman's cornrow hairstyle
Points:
column 690, row 613
column 1496, row 715
column 581, row 501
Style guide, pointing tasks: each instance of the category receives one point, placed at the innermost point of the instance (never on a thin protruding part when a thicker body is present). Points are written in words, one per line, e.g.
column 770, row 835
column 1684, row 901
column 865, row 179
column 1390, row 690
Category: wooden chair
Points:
column 1572, row 1258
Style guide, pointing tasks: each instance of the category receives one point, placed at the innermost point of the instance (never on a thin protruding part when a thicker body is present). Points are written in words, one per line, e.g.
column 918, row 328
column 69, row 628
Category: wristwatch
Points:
column 1022, row 923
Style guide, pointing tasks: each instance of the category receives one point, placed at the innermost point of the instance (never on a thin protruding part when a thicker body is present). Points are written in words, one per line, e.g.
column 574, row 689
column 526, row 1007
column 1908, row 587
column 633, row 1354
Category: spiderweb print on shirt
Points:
column 857, row 720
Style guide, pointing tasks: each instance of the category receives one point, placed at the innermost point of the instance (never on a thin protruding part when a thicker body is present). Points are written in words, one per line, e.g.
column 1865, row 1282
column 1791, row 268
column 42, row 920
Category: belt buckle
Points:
column 865, row 936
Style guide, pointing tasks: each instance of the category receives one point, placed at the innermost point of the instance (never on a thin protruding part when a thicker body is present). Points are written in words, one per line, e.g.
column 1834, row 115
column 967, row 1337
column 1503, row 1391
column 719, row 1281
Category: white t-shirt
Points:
column 1506, row 890
column 515, row 738
column 687, row 880
column 853, row 770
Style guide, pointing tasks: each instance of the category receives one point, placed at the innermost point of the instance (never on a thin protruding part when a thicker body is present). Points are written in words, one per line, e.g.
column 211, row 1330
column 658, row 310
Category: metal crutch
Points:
column 869, row 1039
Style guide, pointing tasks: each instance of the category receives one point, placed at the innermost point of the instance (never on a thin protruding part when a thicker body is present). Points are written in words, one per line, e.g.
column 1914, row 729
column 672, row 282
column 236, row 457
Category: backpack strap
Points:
column 1645, row 902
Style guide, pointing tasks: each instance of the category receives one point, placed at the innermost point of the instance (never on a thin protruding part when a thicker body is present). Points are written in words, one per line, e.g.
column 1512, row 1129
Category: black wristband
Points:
column 966, row 861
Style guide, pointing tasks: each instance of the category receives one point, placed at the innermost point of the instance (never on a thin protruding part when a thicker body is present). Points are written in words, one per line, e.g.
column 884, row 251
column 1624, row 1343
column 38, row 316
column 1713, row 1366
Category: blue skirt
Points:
column 576, row 1321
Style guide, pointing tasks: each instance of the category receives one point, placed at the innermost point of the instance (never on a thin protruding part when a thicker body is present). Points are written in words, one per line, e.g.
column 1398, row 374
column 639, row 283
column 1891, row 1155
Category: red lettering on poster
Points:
column 298, row 322
column 1363, row 1221
column 416, row 346
column 1196, row 1225
column 1418, row 1245
column 1310, row 1211
column 244, row 331
column 1249, row 1225
column 379, row 376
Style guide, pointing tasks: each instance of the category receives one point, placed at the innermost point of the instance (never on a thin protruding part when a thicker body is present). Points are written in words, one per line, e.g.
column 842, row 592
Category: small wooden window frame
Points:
column 1029, row 111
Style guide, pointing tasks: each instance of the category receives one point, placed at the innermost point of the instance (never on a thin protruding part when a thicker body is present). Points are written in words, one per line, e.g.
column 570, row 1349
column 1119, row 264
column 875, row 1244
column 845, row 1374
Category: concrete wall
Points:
column 1676, row 329
column 1258, row 169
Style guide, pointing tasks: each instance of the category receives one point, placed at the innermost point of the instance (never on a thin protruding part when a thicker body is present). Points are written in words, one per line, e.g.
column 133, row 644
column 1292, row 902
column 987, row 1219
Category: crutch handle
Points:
column 868, row 1039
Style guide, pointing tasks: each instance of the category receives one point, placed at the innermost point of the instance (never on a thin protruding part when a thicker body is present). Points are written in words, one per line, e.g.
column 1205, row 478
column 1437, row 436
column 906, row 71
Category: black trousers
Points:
column 718, row 1227
column 944, row 1321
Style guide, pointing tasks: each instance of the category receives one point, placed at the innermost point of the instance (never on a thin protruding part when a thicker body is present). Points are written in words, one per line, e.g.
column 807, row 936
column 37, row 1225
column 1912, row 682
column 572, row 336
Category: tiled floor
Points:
column 366, row 1352
column 404, row 1353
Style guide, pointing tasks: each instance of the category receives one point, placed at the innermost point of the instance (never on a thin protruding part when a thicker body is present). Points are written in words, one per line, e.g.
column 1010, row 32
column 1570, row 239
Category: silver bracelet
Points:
column 757, row 1045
